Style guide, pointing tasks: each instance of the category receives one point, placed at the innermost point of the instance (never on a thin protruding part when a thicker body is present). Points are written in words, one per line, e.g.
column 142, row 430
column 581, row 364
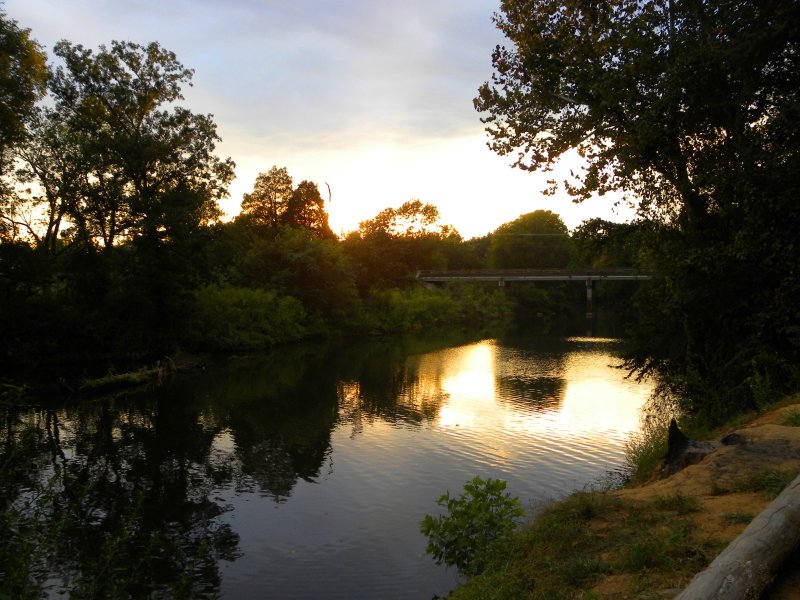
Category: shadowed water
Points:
column 304, row 474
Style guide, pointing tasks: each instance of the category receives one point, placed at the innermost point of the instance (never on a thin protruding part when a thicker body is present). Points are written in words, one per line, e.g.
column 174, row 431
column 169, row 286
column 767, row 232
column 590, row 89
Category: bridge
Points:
column 503, row 276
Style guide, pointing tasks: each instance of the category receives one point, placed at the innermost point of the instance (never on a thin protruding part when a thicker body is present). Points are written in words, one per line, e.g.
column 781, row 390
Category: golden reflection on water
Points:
column 469, row 382
column 486, row 386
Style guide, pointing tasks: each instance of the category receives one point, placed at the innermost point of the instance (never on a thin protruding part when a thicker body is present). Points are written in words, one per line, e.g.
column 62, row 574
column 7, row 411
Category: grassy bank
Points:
column 648, row 540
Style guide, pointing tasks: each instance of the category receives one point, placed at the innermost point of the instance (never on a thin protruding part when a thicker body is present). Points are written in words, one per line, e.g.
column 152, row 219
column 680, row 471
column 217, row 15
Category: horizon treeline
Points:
column 112, row 246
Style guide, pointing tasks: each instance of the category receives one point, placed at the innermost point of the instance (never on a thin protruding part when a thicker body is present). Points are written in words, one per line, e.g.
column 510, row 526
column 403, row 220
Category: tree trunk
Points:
column 749, row 563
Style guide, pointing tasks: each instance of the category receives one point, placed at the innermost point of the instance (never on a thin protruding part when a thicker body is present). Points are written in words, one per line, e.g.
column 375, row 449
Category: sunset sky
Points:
column 374, row 98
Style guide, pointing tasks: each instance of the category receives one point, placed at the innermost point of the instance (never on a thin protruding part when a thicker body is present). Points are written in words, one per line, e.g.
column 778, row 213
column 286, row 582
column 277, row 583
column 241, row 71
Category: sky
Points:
column 371, row 97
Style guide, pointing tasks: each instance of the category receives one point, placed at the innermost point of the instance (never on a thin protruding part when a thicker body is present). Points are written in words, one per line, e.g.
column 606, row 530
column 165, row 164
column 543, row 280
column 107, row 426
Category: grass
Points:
column 680, row 503
column 768, row 481
column 792, row 419
column 572, row 544
column 598, row 545
column 644, row 451
column 736, row 518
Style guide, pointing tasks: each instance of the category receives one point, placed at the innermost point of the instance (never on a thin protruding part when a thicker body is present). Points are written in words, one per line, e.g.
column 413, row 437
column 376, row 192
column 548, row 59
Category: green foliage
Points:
column 682, row 115
column 23, row 73
column 234, row 318
column 306, row 210
column 646, row 449
column 536, row 240
column 664, row 551
column 792, row 419
column 601, row 244
column 22, row 80
column 411, row 310
column 419, row 309
column 768, row 481
column 270, row 197
column 685, row 128
column 145, row 164
column 412, row 219
column 573, row 542
column 478, row 524
column 296, row 262
column 389, row 249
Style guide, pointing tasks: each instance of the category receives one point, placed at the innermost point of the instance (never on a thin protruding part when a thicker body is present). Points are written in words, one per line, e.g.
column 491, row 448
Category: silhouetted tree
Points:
column 269, row 200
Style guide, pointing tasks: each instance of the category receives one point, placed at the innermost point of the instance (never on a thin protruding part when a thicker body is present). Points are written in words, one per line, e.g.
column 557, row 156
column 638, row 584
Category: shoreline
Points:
column 651, row 540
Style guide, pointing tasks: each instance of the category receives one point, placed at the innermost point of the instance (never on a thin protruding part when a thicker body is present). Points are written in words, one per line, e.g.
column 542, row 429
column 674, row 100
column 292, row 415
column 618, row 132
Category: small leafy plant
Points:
column 792, row 419
column 478, row 524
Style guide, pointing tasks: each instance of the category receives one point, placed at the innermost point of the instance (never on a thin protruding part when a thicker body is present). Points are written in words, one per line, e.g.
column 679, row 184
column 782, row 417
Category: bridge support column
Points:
column 589, row 308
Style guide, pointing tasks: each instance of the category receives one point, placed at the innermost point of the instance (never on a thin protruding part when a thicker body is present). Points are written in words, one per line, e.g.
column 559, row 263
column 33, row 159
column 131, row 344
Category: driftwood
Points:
column 750, row 562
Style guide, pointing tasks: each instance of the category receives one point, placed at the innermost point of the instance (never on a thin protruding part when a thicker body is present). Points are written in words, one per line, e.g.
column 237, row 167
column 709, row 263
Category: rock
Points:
column 682, row 452
column 733, row 439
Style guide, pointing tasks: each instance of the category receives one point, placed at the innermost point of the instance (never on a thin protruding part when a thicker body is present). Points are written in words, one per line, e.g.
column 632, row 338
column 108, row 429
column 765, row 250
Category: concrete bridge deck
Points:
column 508, row 275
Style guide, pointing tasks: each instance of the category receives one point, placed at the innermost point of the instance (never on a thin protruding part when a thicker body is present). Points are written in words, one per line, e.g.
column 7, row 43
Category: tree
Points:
column 270, row 197
column 388, row 249
column 23, row 73
column 412, row 219
column 691, row 106
column 602, row 244
column 138, row 148
column 306, row 209
column 681, row 102
column 537, row 240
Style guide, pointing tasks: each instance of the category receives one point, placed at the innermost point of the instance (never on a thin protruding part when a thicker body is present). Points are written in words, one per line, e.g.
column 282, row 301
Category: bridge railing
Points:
column 531, row 275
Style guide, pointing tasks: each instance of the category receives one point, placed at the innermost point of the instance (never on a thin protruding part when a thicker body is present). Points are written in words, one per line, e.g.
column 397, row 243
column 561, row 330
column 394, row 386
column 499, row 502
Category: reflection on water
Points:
column 300, row 475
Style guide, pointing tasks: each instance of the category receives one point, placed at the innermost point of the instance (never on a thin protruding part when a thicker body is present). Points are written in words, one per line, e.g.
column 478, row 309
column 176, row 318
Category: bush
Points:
column 235, row 318
column 419, row 309
column 478, row 524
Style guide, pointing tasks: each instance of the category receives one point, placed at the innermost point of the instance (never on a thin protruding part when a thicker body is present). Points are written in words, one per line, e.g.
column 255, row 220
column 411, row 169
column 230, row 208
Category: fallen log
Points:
column 750, row 562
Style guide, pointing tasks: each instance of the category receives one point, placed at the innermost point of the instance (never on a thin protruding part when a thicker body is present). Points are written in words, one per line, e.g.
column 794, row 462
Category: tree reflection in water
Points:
column 111, row 500
column 118, row 497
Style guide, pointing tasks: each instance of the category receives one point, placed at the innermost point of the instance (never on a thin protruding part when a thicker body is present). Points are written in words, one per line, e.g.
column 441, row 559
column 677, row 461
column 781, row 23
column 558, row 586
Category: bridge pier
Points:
column 590, row 299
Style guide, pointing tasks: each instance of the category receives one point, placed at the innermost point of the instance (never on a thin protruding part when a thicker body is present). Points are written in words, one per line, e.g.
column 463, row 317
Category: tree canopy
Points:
column 677, row 101
column 691, row 107
column 412, row 219
column 535, row 240
column 23, row 75
column 114, row 157
column 269, row 200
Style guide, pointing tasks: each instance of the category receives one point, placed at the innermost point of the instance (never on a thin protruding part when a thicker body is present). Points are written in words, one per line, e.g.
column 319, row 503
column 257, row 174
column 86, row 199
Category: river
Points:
column 303, row 474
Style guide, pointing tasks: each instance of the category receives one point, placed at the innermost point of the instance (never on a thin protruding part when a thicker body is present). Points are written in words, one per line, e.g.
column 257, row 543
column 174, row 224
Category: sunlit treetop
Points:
column 23, row 75
column 412, row 219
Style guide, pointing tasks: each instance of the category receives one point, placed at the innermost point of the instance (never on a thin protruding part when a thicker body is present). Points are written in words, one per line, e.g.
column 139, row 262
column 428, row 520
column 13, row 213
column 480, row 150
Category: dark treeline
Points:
column 692, row 108
column 112, row 247
column 113, row 251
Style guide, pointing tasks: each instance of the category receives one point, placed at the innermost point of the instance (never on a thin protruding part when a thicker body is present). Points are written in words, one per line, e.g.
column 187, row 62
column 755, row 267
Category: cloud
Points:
column 302, row 67
column 373, row 97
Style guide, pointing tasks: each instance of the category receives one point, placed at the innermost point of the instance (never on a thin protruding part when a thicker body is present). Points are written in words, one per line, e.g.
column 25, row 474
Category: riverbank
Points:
column 649, row 541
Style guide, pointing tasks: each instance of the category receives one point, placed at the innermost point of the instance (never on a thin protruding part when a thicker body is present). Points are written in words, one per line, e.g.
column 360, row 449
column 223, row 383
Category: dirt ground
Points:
column 723, row 512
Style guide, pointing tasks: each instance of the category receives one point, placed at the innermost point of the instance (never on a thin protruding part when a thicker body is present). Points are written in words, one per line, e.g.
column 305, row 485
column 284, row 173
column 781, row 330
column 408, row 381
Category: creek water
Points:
column 305, row 474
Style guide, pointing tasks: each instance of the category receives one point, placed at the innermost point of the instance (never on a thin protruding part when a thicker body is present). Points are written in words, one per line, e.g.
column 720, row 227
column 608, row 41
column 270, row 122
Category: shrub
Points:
column 236, row 318
column 478, row 524
column 792, row 419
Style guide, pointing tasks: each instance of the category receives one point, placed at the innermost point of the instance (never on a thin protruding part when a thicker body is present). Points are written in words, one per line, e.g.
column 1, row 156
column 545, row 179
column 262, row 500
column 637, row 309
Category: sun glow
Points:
column 475, row 190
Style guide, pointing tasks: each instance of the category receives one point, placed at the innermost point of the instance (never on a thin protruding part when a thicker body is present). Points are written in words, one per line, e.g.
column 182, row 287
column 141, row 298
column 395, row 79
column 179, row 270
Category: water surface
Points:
column 305, row 474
